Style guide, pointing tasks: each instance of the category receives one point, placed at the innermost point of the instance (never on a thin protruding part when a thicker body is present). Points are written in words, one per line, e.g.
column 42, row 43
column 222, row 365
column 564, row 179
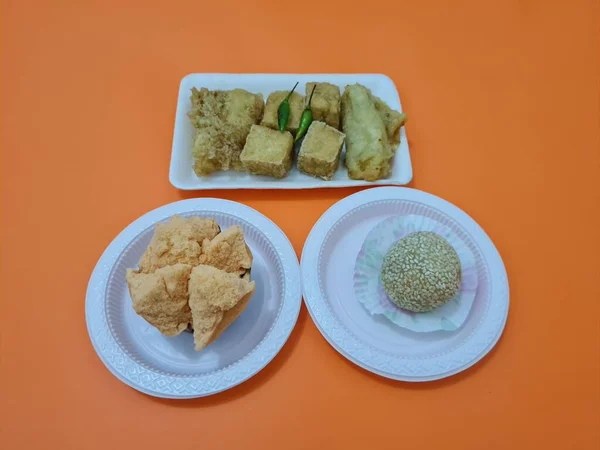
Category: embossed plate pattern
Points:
column 372, row 342
column 141, row 357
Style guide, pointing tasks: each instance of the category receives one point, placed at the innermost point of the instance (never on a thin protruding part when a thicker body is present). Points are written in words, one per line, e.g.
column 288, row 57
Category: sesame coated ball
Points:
column 421, row 272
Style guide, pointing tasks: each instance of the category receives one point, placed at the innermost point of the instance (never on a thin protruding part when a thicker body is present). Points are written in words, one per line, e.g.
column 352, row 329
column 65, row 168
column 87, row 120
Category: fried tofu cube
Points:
column 268, row 152
column 325, row 104
column 320, row 151
column 273, row 102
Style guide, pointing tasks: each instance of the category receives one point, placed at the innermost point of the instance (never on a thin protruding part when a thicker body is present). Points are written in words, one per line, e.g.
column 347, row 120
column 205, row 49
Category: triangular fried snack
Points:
column 217, row 298
column 162, row 297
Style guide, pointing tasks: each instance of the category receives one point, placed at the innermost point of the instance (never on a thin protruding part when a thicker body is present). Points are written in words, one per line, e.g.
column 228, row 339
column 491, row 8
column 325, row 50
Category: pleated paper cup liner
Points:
column 369, row 289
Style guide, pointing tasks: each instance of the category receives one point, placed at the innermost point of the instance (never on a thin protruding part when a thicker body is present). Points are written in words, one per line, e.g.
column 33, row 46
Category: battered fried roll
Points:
column 368, row 149
column 392, row 120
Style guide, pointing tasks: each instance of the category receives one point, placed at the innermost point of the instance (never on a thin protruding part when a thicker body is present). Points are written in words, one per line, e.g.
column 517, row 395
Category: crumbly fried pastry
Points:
column 227, row 251
column 212, row 150
column 222, row 120
column 178, row 241
column 216, row 299
column 162, row 297
column 192, row 277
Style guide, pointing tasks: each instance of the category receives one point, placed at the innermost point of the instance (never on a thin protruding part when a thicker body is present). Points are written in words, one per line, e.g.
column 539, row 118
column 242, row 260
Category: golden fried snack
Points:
column 320, row 152
column 212, row 150
column 162, row 297
column 216, row 299
column 222, row 120
column 227, row 251
column 177, row 241
column 268, row 152
column 296, row 107
column 244, row 109
column 325, row 104
column 368, row 150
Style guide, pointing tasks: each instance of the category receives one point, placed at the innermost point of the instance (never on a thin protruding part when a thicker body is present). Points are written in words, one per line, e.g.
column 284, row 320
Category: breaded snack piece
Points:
column 237, row 110
column 325, row 104
column 368, row 150
column 222, row 120
column 177, row 241
column 296, row 107
column 212, row 151
column 320, row 152
column 208, row 108
column 162, row 297
column 216, row 299
column 268, row 152
column 227, row 251
column 393, row 120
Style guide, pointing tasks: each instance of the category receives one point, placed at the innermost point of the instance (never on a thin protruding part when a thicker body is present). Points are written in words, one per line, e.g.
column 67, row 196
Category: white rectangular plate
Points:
column 181, row 173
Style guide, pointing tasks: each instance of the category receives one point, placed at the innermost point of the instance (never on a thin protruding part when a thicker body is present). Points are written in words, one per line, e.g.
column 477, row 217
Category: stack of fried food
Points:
column 235, row 130
column 192, row 275
column 222, row 121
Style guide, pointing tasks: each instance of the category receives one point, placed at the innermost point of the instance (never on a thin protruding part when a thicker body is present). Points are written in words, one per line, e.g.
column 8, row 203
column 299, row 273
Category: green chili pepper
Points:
column 283, row 113
column 306, row 118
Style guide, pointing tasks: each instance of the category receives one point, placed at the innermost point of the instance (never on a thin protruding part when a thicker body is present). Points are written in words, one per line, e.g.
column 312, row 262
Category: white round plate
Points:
column 373, row 342
column 141, row 357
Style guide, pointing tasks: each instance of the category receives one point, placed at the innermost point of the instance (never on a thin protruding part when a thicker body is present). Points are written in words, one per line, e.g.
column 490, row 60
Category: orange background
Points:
column 503, row 99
